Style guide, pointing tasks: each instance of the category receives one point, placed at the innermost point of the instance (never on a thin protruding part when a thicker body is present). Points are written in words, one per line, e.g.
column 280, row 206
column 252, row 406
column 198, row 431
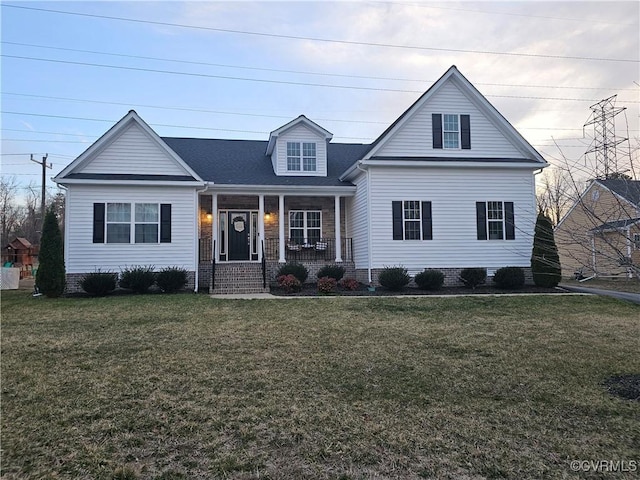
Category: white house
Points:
column 449, row 185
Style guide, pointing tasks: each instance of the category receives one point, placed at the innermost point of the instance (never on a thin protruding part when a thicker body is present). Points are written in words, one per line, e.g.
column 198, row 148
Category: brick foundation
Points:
column 313, row 267
column 73, row 282
column 451, row 276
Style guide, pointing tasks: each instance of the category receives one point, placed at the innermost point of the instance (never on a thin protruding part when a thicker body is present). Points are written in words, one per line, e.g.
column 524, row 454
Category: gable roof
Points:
column 71, row 171
column 244, row 162
column 301, row 120
column 616, row 225
column 490, row 112
column 627, row 189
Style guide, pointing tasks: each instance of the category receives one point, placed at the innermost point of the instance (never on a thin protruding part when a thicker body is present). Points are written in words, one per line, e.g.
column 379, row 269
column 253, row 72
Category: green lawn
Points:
column 183, row 386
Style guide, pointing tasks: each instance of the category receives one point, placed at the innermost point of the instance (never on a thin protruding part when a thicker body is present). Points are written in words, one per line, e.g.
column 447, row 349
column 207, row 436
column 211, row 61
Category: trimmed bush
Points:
column 332, row 271
column 296, row 269
column 472, row 277
column 171, row 279
column 509, row 277
column 50, row 278
column 99, row 283
column 394, row 278
column 429, row 279
column 327, row 284
column 350, row 284
column 545, row 262
column 289, row 283
column 139, row 279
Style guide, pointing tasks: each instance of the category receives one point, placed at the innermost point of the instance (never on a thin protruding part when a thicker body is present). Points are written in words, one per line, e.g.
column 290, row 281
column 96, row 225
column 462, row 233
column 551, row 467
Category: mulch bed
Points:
column 625, row 386
column 311, row 290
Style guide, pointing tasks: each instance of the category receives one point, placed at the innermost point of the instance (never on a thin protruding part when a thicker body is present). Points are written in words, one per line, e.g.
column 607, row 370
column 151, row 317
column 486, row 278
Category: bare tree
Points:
column 10, row 211
column 555, row 194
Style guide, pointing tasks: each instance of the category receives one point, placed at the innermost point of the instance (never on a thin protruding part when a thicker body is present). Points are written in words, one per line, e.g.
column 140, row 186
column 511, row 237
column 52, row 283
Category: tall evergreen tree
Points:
column 50, row 278
column 545, row 262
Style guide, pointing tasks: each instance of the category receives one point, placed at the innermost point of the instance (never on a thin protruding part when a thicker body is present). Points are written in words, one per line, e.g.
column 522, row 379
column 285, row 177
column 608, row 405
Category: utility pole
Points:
column 45, row 165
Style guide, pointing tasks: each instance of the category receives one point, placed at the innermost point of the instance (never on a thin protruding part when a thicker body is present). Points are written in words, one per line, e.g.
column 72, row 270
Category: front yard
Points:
column 183, row 386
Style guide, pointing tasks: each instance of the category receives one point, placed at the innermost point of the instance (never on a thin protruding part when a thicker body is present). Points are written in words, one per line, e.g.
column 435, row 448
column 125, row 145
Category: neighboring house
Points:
column 449, row 185
column 600, row 234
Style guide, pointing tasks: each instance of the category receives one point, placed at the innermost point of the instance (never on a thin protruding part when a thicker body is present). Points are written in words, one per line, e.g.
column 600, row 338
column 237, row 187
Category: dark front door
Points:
column 239, row 235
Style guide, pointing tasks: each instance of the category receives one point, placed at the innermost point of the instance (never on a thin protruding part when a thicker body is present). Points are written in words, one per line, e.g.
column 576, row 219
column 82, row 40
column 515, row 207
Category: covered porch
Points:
column 271, row 229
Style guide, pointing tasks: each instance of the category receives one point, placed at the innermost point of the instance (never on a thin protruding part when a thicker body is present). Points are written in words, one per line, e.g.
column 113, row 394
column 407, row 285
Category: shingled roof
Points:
column 627, row 189
column 244, row 162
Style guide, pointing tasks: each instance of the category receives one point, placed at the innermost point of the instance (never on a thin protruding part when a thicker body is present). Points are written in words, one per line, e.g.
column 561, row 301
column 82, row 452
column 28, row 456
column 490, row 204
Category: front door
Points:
column 239, row 235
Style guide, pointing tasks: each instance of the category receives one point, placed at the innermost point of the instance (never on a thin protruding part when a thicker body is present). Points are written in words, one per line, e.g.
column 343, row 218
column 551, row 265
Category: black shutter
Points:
column 465, row 131
column 165, row 223
column 436, row 129
column 427, row 233
column 481, row 220
column 396, row 208
column 509, row 222
column 98, row 223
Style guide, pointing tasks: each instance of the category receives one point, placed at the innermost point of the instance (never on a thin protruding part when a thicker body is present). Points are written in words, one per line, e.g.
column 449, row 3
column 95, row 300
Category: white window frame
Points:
column 305, row 222
column 302, row 162
column 136, row 222
column 406, row 220
column 132, row 223
column 457, row 132
column 501, row 221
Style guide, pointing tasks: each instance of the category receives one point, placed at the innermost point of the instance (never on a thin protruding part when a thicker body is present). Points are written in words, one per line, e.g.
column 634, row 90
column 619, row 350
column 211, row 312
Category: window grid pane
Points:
column 412, row 230
column 118, row 233
column 147, row 233
column 450, row 123
column 450, row 131
column 308, row 149
column 411, row 210
column 494, row 210
column 495, row 230
column 296, row 219
column 309, row 164
column 118, row 212
column 293, row 156
column 313, row 219
column 146, row 212
column 450, row 140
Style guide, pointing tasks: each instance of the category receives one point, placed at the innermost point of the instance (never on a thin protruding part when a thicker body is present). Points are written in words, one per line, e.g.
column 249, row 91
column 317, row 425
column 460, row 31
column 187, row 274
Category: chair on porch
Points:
column 321, row 248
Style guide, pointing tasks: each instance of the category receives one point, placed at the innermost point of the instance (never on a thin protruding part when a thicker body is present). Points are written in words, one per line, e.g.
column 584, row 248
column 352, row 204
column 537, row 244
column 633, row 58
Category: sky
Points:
column 239, row 70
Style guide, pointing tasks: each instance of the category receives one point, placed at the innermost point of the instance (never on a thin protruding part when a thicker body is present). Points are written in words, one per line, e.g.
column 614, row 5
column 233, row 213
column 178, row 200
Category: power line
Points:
column 320, row 39
column 285, row 82
column 300, row 72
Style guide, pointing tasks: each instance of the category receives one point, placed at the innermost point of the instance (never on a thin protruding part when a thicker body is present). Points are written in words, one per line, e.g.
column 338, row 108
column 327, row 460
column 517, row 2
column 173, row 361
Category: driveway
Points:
column 629, row 297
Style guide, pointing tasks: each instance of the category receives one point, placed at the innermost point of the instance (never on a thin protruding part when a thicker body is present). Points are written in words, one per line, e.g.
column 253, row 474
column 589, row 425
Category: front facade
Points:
column 600, row 234
column 449, row 185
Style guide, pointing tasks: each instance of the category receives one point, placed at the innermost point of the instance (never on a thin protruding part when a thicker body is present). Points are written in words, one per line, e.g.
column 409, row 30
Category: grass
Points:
column 631, row 285
column 183, row 386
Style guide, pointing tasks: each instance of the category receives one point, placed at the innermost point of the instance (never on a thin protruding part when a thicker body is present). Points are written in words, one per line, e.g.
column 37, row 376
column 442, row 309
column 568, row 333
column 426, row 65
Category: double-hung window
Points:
column 495, row 220
column 636, row 241
column 411, row 220
column 301, row 156
column 451, row 131
column 116, row 222
column 305, row 226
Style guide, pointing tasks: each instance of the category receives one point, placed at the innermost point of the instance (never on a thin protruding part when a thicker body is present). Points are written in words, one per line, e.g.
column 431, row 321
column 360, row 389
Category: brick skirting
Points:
column 451, row 276
column 73, row 282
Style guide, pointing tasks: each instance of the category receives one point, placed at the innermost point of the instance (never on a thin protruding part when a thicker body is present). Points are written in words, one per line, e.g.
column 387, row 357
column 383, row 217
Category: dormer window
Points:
column 301, row 156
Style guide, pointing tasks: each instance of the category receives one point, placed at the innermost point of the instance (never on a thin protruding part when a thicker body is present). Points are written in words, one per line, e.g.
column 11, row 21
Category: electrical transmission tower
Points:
column 607, row 149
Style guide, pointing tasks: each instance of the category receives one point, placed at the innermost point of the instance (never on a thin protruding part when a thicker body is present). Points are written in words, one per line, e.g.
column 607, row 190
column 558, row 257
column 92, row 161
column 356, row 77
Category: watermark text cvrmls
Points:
column 604, row 465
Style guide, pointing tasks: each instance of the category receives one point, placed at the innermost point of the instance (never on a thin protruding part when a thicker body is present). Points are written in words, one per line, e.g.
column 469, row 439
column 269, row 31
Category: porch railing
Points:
column 306, row 250
column 204, row 249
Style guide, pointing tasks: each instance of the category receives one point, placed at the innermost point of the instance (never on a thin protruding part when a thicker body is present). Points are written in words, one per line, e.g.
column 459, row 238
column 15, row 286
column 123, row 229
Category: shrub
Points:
column 394, row 278
column 472, row 277
column 171, row 279
column 545, row 262
column 50, row 278
column 429, row 279
column 332, row 271
column 139, row 279
column 509, row 277
column 289, row 283
column 296, row 269
column 99, row 283
column 327, row 284
column 350, row 284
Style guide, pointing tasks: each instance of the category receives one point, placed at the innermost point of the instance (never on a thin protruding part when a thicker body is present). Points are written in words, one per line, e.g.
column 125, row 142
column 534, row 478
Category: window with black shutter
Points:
column 411, row 220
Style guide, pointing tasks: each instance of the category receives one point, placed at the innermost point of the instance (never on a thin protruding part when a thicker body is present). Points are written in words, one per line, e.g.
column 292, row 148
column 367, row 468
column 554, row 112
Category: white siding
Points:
column 83, row 255
column 301, row 133
column 358, row 223
column 453, row 193
column 415, row 137
column 133, row 152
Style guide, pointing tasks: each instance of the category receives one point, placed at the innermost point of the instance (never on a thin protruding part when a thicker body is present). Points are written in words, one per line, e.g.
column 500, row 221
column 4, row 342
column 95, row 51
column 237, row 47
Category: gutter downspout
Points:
column 196, row 236
column 369, row 245
column 65, row 240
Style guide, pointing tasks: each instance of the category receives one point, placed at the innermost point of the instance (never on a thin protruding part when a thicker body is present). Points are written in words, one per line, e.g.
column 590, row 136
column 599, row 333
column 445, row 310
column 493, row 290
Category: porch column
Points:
column 338, row 236
column 281, row 240
column 214, row 227
column 260, row 225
